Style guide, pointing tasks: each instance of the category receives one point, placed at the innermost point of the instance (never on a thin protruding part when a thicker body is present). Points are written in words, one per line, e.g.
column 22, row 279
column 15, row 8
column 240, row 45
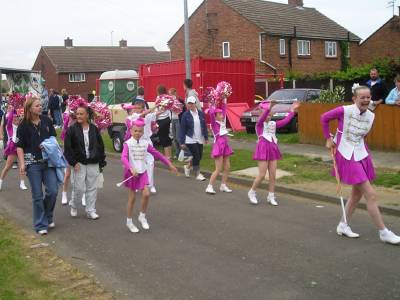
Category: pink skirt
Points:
column 11, row 148
column 354, row 172
column 136, row 183
column 221, row 148
column 266, row 151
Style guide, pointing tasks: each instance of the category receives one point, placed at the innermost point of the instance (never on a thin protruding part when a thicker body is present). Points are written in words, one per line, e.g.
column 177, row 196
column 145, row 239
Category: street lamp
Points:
column 187, row 44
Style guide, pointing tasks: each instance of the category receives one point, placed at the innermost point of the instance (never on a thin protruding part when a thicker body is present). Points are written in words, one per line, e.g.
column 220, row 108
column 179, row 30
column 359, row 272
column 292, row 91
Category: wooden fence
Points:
column 385, row 133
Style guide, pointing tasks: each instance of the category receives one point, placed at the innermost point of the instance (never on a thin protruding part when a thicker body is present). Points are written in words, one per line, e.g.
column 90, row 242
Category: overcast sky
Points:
column 26, row 25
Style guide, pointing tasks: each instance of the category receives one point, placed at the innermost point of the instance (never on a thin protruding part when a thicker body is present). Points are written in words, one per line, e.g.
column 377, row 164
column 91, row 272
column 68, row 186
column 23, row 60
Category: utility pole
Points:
column 187, row 43
column 112, row 42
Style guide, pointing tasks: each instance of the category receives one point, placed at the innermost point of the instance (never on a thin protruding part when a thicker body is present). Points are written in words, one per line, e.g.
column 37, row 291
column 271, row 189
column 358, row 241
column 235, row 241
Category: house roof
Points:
column 280, row 19
column 100, row 59
column 393, row 19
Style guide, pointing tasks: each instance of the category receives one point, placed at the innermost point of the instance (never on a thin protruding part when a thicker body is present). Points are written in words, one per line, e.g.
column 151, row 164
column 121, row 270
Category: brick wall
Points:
column 243, row 37
column 383, row 43
column 47, row 69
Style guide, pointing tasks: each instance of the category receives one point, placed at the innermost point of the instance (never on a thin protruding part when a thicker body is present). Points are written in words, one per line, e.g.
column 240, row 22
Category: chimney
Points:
column 297, row 3
column 123, row 43
column 68, row 43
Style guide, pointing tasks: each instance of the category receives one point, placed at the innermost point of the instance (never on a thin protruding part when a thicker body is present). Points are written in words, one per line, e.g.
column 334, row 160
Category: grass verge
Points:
column 283, row 137
column 27, row 273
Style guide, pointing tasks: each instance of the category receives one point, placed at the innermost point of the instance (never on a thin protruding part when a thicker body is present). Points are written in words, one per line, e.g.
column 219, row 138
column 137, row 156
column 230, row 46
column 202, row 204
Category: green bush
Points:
column 328, row 96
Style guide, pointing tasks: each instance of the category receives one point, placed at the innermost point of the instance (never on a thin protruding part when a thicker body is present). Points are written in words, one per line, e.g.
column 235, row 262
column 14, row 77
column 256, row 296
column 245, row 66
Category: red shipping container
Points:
column 205, row 72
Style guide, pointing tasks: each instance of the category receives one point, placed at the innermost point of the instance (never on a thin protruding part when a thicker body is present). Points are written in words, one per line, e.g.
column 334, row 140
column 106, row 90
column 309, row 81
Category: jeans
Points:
column 57, row 117
column 43, row 205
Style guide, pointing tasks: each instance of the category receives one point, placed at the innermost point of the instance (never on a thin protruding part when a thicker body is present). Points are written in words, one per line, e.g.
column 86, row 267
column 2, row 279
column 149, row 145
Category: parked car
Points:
column 250, row 117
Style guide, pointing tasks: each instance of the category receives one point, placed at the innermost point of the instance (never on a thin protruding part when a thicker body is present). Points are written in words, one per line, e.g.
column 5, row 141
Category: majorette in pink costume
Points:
column 352, row 156
column 267, row 148
column 11, row 128
column 134, row 157
column 221, row 142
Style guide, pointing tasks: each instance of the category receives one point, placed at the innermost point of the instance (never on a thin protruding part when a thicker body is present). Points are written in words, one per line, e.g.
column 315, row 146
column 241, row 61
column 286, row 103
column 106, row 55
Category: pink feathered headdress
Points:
column 138, row 123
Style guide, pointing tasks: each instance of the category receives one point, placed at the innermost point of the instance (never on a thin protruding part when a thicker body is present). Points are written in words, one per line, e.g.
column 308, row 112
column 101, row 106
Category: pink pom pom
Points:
column 177, row 107
column 76, row 101
column 102, row 115
column 209, row 96
column 165, row 101
column 138, row 123
column 224, row 89
column 17, row 100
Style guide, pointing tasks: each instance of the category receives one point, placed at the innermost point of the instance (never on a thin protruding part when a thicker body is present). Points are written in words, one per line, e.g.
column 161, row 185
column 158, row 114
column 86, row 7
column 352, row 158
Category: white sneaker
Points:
column 52, row 225
column 22, row 185
column 143, row 221
column 271, row 200
column 1, row 184
column 186, row 169
column 64, row 198
column 132, row 228
column 42, row 232
column 92, row 215
column 83, row 200
column 153, row 190
column 200, row 177
column 389, row 237
column 344, row 229
column 74, row 212
column 252, row 197
column 224, row 188
column 15, row 166
column 210, row 190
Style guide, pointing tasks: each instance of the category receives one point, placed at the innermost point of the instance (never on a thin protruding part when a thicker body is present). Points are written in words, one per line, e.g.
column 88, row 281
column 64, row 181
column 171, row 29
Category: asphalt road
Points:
column 219, row 247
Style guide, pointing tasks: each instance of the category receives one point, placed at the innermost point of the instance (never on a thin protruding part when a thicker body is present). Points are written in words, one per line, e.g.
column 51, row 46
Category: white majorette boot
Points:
column 132, row 228
column 186, row 169
column 64, row 198
column 344, row 229
column 271, row 199
column 224, row 188
column 210, row 190
column 153, row 190
column 22, row 185
column 143, row 221
column 389, row 237
column 252, row 197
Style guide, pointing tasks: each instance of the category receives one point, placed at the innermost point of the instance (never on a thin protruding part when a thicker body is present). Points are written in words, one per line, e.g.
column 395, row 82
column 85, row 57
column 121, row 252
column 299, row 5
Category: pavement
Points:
column 381, row 159
column 219, row 247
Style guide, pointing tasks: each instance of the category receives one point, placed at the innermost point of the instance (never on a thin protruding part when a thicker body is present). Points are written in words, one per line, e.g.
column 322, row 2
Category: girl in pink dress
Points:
column 267, row 150
column 135, row 172
column 353, row 160
column 13, row 120
column 220, row 150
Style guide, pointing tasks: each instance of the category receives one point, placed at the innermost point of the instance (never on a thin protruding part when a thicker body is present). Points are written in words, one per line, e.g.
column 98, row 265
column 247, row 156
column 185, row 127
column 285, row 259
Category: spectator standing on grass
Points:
column 64, row 96
column 190, row 92
column 377, row 87
column 394, row 96
column 55, row 108
column 140, row 97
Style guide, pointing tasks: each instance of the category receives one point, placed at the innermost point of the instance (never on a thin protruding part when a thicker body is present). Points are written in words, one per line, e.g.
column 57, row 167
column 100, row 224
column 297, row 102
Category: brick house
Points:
column 279, row 37
column 384, row 42
column 77, row 68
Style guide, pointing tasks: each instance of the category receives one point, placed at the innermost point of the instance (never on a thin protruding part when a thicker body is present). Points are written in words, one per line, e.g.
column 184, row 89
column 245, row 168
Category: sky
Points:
column 27, row 25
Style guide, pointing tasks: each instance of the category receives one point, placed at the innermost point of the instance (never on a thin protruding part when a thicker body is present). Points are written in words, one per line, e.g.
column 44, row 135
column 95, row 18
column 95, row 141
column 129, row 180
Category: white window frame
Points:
column 77, row 77
column 330, row 49
column 226, row 55
column 282, row 47
column 301, row 48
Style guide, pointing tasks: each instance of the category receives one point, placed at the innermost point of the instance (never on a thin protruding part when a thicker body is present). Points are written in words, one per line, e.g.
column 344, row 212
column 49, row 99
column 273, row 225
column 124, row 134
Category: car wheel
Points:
column 294, row 125
column 118, row 142
column 250, row 129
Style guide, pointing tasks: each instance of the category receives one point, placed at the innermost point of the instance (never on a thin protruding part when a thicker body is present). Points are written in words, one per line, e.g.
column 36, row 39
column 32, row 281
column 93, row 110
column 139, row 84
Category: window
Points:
column 330, row 49
column 282, row 47
column 303, row 48
column 77, row 77
column 226, row 50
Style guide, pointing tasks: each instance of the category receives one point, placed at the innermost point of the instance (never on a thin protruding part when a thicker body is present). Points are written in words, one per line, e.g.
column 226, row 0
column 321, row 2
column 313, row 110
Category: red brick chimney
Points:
column 295, row 2
column 68, row 43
